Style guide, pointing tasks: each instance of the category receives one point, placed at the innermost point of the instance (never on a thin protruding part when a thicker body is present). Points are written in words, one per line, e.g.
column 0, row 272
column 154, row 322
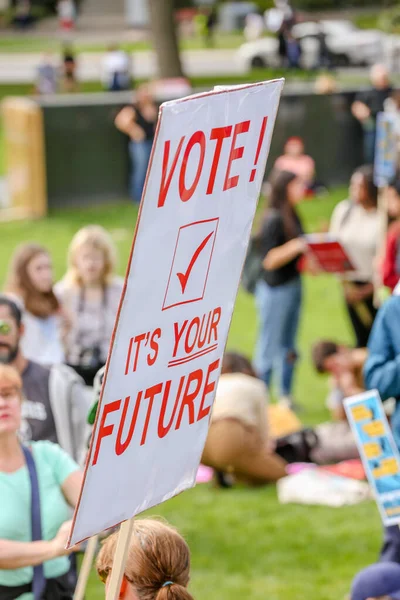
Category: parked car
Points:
column 347, row 46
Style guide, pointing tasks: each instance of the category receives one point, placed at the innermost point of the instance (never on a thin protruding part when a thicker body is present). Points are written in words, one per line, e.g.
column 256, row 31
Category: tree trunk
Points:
column 165, row 40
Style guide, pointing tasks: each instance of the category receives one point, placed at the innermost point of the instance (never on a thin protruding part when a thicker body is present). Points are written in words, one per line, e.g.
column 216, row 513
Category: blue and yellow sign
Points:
column 378, row 452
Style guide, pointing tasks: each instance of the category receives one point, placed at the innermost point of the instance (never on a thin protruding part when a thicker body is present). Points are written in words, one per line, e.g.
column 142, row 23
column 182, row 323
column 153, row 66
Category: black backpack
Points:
column 252, row 268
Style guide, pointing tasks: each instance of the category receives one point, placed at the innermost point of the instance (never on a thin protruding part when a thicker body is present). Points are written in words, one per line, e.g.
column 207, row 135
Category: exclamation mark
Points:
column 260, row 142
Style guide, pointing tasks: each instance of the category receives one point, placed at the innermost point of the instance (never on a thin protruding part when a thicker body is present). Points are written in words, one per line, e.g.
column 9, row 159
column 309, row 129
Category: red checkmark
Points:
column 184, row 277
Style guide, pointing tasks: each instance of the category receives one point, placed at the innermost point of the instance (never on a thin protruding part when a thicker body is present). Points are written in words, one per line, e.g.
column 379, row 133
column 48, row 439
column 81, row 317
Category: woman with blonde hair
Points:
column 30, row 280
column 91, row 292
column 158, row 563
column 39, row 484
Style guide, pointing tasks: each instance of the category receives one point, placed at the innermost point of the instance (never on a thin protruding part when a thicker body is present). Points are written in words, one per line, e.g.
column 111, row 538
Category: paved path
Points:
column 21, row 67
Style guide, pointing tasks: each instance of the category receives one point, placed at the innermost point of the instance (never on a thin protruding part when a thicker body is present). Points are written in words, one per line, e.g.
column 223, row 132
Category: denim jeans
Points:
column 279, row 314
column 140, row 156
column 369, row 146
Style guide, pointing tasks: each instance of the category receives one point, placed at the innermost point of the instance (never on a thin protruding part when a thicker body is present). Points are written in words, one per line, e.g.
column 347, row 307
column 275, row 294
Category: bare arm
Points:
column 281, row 255
column 359, row 357
column 355, row 294
column 360, row 111
column 71, row 488
column 16, row 555
column 338, row 413
column 125, row 121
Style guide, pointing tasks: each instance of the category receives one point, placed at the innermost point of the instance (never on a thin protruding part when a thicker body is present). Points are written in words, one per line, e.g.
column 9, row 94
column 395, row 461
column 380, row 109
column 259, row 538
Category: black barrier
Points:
column 87, row 159
column 331, row 134
column 86, row 156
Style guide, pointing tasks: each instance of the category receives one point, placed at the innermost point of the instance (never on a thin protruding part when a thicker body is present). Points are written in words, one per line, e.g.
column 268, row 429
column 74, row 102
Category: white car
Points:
column 347, row 46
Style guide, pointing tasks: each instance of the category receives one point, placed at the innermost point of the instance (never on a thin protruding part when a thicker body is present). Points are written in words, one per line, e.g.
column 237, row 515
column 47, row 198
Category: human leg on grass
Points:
column 362, row 315
column 273, row 310
column 291, row 301
column 235, row 448
column 335, row 443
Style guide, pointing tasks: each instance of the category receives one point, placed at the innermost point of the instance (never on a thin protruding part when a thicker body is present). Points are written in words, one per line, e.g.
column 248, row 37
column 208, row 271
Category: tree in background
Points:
column 163, row 30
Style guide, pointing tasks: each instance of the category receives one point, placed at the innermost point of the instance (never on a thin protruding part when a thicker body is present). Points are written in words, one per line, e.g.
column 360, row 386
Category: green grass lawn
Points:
column 387, row 19
column 244, row 544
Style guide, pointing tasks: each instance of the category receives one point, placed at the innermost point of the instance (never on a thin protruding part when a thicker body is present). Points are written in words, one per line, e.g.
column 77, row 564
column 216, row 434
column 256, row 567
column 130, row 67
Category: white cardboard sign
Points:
column 193, row 230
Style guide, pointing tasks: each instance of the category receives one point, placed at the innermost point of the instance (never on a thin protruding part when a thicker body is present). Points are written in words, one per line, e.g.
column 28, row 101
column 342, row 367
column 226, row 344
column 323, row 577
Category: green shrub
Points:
column 389, row 20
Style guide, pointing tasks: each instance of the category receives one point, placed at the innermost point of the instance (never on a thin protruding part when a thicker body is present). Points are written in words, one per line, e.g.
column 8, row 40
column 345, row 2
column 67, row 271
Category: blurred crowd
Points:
column 60, row 75
column 55, row 336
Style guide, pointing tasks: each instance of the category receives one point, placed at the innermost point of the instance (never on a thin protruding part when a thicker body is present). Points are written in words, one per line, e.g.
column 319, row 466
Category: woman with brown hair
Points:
column 278, row 292
column 30, row 280
column 91, row 292
column 158, row 563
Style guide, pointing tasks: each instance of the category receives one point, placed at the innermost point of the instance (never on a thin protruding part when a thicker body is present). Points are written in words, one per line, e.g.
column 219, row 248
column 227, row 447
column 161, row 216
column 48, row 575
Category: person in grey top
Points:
column 55, row 403
column 90, row 293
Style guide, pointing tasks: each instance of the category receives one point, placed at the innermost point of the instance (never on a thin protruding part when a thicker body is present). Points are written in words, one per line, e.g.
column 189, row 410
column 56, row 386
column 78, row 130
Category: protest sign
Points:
column 378, row 452
column 193, row 230
column 385, row 149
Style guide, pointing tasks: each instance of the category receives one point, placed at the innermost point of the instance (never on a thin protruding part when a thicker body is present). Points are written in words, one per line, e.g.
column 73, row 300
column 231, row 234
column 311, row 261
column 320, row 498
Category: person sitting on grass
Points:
column 91, row 292
column 46, row 322
column 344, row 364
column 158, row 563
column 237, row 441
column 55, row 400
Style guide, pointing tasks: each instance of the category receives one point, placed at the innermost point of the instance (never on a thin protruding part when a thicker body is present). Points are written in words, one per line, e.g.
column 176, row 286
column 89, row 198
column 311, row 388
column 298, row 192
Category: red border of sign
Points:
column 128, row 269
column 173, row 261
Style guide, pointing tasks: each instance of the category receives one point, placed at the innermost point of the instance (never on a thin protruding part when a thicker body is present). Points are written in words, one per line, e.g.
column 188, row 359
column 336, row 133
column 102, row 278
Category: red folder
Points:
column 330, row 254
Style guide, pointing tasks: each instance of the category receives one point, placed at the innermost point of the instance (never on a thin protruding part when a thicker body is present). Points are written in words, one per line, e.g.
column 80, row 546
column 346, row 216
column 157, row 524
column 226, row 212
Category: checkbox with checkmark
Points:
column 191, row 263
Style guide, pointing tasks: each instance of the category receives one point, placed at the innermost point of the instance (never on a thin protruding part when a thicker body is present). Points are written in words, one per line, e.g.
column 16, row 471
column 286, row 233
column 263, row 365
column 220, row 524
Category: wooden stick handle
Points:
column 85, row 569
column 121, row 554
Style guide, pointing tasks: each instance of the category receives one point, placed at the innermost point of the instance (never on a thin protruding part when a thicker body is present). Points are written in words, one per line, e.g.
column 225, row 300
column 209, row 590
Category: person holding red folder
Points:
column 278, row 292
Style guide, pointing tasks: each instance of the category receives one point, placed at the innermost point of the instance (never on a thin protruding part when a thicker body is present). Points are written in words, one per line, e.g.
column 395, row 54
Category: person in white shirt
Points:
column 30, row 281
column 356, row 224
column 115, row 70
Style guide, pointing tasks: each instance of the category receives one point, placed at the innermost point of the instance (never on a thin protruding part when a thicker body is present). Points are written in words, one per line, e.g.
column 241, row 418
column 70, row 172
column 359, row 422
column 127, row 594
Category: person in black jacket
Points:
column 368, row 104
column 279, row 290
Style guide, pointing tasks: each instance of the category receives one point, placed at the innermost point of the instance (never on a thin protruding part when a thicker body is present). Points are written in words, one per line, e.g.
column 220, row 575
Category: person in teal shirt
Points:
column 59, row 480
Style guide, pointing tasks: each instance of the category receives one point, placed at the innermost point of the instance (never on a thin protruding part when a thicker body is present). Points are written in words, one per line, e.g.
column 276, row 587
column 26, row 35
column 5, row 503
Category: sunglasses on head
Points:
column 5, row 327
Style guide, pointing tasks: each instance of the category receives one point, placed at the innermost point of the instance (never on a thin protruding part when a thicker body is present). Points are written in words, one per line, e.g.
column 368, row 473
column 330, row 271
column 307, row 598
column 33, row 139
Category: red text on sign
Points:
column 196, row 333
column 149, row 342
column 170, row 404
column 198, row 141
